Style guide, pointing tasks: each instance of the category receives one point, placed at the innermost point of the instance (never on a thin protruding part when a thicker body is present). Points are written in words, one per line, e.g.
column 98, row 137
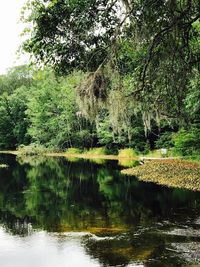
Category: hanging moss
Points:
column 119, row 114
column 149, row 115
column 93, row 94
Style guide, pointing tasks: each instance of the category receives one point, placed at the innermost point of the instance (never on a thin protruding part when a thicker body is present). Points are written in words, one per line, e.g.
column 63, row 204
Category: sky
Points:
column 10, row 30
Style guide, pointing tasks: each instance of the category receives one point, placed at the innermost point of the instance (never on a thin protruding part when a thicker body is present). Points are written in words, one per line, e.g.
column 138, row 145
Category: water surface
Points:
column 56, row 212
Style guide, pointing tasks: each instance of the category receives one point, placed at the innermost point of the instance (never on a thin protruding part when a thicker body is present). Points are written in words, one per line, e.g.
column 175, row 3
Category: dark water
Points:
column 55, row 212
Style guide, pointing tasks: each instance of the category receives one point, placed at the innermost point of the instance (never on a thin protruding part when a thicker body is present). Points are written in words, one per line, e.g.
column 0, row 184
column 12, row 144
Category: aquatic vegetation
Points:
column 172, row 173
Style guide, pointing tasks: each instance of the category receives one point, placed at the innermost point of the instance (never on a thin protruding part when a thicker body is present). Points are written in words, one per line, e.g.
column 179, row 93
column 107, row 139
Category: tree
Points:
column 14, row 90
column 155, row 42
column 70, row 34
column 193, row 97
column 15, row 77
column 52, row 109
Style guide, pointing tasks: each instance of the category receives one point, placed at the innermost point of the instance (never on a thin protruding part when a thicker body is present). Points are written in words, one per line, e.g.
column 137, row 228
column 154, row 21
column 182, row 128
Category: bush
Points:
column 32, row 150
column 84, row 138
column 165, row 140
column 97, row 151
column 187, row 143
column 155, row 153
column 127, row 153
column 74, row 150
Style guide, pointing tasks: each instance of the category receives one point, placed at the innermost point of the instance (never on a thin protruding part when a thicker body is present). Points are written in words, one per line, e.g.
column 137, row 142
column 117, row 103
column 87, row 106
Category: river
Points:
column 56, row 212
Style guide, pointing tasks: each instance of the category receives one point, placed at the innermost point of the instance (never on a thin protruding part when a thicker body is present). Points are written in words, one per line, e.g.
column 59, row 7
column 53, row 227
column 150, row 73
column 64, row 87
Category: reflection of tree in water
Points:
column 58, row 195
column 130, row 248
column 63, row 193
column 12, row 203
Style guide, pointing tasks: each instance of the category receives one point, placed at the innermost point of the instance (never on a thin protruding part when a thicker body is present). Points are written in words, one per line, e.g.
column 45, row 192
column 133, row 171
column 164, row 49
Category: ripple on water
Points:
column 190, row 251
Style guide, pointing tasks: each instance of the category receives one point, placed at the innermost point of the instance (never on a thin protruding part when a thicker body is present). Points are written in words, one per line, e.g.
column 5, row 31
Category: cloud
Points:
column 10, row 30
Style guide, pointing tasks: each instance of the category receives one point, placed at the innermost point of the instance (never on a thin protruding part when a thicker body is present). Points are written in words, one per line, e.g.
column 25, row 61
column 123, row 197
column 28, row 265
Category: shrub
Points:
column 165, row 140
column 155, row 153
column 73, row 150
column 97, row 151
column 187, row 142
column 127, row 153
column 84, row 138
column 32, row 150
column 128, row 163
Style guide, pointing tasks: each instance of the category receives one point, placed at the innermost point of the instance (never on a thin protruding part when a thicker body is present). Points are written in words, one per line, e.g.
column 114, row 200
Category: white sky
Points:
column 10, row 30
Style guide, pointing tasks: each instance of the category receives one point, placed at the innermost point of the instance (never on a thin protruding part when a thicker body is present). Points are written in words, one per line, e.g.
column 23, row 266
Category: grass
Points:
column 157, row 153
column 172, row 173
column 154, row 153
column 195, row 158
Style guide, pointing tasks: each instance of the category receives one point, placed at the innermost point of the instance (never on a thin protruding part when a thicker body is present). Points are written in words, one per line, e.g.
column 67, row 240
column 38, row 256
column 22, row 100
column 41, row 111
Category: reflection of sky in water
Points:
column 41, row 249
column 45, row 250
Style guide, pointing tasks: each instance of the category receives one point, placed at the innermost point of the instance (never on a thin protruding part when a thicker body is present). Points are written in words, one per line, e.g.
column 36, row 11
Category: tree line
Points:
column 112, row 73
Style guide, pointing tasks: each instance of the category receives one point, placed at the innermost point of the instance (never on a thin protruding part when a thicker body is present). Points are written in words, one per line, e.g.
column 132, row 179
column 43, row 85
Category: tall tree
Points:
column 52, row 109
column 155, row 42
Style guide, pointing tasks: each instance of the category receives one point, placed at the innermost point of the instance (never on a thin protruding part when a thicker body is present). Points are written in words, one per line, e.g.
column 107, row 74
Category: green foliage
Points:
column 16, row 77
column 69, row 34
column 73, row 150
column 127, row 153
column 52, row 109
column 128, row 163
column 187, row 142
column 133, row 73
column 31, row 150
column 155, row 153
column 97, row 151
column 165, row 140
column 104, row 134
column 156, row 44
column 193, row 97
column 84, row 138
column 13, row 104
column 138, row 140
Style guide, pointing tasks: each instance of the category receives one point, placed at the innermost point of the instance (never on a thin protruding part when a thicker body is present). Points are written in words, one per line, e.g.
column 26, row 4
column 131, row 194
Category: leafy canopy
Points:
column 155, row 42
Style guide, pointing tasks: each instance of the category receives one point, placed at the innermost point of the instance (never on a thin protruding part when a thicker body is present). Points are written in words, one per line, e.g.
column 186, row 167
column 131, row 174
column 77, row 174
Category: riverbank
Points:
column 90, row 156
column 87, row 155
column 69, row 155
column 168, row 171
